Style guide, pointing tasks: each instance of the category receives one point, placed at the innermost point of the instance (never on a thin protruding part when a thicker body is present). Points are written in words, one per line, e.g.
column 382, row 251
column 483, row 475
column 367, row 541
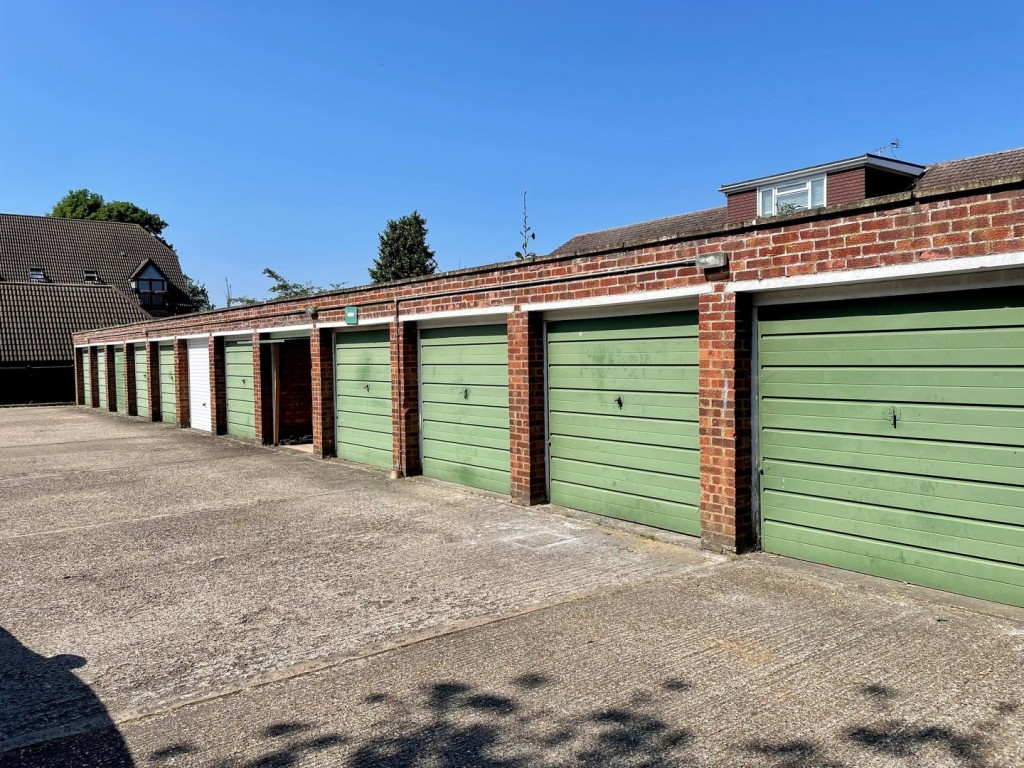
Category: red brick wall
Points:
column 321, row 352
column 94, row 380
column 405, row 404
column 153, row 366
column 525, row 401
column 741, row 206
column 218, row 386
column 131, row 395
column 845, row 186
column 296, row 394
column 896, row 230
column 111, row 404
column 261, row 385
column 184, row 412
column 724, row 341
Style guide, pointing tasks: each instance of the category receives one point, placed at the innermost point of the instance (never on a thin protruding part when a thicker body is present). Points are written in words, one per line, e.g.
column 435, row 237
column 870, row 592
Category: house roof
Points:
column 971, row 170
column 861, row 161
column 953, row 173
column 645, row 232
column 38, row 318
column 65, row 248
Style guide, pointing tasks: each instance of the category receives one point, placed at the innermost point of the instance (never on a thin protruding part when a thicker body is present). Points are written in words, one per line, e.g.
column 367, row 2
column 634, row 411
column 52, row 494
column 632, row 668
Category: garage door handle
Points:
column 619, row 401
column 465, row 394
column 366, row 387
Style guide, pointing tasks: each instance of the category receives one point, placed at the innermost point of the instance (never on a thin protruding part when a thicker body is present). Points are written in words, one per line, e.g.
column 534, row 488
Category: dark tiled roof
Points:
column 972, row 170
column 65, row 248
column 37, row 319
column 645, row 232
column 953, row 173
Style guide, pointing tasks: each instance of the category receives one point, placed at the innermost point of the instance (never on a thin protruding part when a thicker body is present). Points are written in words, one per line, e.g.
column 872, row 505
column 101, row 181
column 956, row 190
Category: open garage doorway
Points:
column 287, row 390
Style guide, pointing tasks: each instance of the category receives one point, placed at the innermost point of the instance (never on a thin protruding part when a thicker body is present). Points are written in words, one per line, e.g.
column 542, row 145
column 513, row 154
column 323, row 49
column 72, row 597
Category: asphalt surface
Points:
column 169, row 598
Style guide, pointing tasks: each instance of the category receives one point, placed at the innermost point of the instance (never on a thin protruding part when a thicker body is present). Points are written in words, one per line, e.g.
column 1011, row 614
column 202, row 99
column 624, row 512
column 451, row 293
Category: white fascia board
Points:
column 160, row 338
column 194, row 336
column 360, row 324
column 456, row 314
column 286, row 328
column 644, row 297
column 877, row 274
column 873, row 161
column 247, row 333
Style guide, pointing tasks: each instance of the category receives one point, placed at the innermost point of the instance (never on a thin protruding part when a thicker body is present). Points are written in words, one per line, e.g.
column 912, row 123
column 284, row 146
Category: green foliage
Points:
column 77, row 204
column 281, row 288
column 403, row 250
column 198, row 294
column 527, row 234
column 83, row 204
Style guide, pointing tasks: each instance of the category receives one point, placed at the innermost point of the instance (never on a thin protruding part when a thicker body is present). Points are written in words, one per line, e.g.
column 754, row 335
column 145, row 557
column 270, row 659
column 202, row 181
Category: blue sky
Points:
column 286, row 134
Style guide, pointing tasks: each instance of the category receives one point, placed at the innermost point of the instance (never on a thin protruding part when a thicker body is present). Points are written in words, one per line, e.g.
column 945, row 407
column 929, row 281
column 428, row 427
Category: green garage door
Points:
column 464, row 405
column 892, row 438
column 87, row 375
column 241, row 396
column 141, row 382
column 622, row 418
column 362, row 361
column 101, row 374
column 168, row 408
column 120, row 392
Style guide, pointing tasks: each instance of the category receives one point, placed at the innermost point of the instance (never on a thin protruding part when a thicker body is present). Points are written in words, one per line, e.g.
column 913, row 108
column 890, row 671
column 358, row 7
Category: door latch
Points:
column 465, row 394
column 894, row 416
column 618, row 400
column 366, row 387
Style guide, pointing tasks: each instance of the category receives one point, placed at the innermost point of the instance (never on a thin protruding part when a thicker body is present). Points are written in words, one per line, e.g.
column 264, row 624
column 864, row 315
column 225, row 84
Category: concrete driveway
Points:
column 169, row 598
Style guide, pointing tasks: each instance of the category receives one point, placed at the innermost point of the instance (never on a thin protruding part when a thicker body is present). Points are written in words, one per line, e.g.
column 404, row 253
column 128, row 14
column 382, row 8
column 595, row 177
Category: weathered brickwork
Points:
column 321, row 353
column 184, row 416
column 153, row 366
column 900, row 229
column 525, row 400
column 405, row 406
column 218, row 386
column 131, row 396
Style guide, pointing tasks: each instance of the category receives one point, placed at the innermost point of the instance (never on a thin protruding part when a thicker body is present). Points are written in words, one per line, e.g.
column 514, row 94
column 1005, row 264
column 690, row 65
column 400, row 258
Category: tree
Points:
column 281, row 288
column 403, row 250
column 198, row 294
column 84, row 204
column 527, row 234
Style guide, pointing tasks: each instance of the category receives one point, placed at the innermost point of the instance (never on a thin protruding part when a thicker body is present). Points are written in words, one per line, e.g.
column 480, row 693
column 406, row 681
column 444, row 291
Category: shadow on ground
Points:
column 451, row 724
column 42, row 694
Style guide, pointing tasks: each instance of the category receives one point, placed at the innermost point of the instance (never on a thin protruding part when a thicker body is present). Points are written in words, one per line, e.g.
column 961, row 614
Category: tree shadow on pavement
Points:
column 41, row 696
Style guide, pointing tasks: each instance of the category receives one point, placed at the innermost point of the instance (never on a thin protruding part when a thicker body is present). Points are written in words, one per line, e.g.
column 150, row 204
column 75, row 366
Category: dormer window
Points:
column 150, row 285
column 91, row 276
column 37, row 275
column 800, row 195
column 151, row 291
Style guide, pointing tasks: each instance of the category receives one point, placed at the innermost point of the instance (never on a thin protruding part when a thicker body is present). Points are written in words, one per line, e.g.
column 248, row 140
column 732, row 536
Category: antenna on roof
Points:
column 891, row 148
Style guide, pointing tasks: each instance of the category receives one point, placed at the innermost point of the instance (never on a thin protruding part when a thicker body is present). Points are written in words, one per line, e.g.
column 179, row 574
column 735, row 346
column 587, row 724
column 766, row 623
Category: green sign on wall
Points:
column 352, row 315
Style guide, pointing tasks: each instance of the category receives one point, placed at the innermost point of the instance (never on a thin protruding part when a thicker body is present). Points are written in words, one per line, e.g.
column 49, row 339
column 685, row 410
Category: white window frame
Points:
column 806, row 182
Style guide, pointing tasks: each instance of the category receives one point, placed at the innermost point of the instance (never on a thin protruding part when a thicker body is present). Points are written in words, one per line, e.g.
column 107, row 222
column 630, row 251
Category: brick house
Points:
column 830, row 367
column 58, row 276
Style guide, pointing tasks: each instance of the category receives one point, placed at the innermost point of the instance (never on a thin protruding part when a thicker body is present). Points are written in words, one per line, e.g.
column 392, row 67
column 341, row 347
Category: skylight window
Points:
column 91, row 276
column 36, row 274
column 791, row 197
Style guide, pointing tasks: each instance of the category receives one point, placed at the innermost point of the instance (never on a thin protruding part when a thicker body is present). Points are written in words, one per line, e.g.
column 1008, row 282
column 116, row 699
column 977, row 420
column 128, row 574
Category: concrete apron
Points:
column 353, row 621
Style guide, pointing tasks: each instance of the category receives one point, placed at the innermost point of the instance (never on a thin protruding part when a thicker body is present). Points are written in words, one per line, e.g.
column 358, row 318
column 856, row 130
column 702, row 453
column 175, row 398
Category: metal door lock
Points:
column 618, row 400
column 894, row 416
column 465, row 394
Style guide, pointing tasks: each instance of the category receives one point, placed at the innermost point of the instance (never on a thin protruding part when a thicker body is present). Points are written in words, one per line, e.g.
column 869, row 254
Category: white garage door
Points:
column 199, row 384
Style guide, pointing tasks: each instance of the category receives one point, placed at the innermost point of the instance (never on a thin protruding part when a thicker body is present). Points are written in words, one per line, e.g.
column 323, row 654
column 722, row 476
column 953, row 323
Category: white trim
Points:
column 286, row 328
column 877, row 274
column 455, row 314
column 867, row 161
column 228, row 334
column 194, row 336
column 160, row 338
column 368, row 321
column 645, row 297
